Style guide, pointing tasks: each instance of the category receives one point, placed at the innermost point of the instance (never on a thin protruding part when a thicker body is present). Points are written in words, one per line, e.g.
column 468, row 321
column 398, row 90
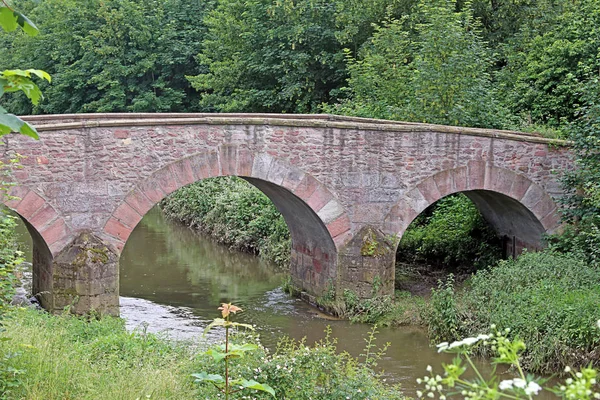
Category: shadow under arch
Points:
column 314, row 216
column 512, row 204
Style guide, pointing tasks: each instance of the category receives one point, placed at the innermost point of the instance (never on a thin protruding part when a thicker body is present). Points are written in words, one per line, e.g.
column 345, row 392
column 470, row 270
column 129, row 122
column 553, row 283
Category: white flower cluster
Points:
column 470, row 341
column 529, row 387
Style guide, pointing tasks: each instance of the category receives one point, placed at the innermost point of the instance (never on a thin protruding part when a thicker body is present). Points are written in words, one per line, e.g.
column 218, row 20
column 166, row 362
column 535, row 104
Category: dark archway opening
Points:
column 451, row 236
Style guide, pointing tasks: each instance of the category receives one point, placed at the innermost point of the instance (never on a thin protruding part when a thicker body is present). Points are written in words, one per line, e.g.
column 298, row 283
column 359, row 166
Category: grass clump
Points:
column 234, row 213
column 549, row 300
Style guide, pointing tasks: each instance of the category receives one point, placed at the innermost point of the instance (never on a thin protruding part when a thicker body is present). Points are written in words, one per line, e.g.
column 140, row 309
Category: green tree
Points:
column 547, row 64
column 265, row 56
column 431, row 66
column 114, row 55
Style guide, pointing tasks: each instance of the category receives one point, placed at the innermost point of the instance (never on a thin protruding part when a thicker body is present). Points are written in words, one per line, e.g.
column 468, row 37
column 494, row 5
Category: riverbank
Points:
column 65, row 357
column 234, row 213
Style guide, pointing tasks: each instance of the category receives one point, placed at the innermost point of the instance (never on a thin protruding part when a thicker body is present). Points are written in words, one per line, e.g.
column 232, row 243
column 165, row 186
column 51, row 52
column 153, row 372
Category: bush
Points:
column 234, row 213
column 549, row 300
column 451, row 233
column 297, row 371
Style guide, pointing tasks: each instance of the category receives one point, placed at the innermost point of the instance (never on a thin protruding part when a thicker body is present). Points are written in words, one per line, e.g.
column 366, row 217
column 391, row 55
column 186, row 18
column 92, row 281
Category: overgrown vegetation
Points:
column 58, row 357
column 234, row 213
column 451, row 234
column 549, row 300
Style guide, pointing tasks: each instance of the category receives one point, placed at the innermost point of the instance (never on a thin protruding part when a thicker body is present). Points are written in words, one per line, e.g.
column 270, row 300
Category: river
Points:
column 172, row 280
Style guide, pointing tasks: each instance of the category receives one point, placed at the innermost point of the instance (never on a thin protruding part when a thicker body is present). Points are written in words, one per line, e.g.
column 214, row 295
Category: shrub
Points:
column 549, row 300
column 453, row 233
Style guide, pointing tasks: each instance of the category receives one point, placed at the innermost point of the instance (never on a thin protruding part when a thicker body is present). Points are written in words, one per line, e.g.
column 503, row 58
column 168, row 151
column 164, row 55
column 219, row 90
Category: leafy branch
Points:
column 14, row 80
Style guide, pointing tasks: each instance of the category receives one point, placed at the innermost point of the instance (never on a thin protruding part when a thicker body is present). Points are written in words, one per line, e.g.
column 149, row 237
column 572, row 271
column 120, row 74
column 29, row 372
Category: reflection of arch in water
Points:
column 48, row 234
column 182, row 260
column 516, row 207
column 313, row 215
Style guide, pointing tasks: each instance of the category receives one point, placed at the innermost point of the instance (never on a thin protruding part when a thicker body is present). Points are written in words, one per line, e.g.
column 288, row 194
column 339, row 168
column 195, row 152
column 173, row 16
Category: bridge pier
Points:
column 83, row 276
column 366, row 264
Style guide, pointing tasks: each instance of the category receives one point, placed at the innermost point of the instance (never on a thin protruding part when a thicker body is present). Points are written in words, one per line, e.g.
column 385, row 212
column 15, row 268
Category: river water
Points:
column 172, row 280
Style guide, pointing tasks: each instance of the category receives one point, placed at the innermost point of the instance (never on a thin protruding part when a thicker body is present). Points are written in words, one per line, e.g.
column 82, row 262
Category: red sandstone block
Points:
column 54, row 232
column 42, row 218
column 121, row 134
column 476, row 175
column 533, row 195
column 306, row 188
column 429, row 190
column 199, row 165
column 460, row 179
column 293, row 179
column 551, row 222
column 444, row 182
column 228, row 159
column 166, row 180
column 501, row 180
column 42, row 160
column 342, row 239
column 127, row 215
column 214, row 164
column 245, row 160
column 182, row 171
column 116, row 229
column 519, row 187
column 139, row 202
column 152, row 191
column 30, row 204
column 319, row 198
column 544, row 207
column 18, row 192
column 339, row 226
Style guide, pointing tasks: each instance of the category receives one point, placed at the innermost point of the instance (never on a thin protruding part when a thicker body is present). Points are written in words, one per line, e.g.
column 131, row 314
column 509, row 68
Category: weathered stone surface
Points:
column 85, row 276
column 331, row 177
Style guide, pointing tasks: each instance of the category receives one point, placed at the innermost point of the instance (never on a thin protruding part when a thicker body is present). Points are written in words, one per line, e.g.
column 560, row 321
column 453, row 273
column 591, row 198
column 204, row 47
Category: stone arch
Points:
column 317, row 221
column 46, row 226
column 49, row 234
column 511, row 202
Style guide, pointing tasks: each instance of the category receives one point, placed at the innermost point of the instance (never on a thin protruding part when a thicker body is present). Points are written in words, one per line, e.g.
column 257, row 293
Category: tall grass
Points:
column 65, row 357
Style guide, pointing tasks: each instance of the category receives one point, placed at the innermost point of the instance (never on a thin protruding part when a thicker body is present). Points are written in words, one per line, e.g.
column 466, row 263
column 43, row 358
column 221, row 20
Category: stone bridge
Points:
column 347, row 188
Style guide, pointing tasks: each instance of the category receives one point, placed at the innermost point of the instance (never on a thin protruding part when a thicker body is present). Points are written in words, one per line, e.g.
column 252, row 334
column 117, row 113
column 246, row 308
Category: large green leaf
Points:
column 8, row 19
column 11, row 123
column 205, row 377
column 28, row 26
column 252, row 384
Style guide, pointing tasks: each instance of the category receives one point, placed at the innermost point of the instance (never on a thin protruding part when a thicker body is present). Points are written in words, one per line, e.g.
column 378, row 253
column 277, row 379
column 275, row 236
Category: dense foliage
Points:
column 116, row 55
column 57, row 356
column 452, row 233
column 549, row 300
column 234, row 213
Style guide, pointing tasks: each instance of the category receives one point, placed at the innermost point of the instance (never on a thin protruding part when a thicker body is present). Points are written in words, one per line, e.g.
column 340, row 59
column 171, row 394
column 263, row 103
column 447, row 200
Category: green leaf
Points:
column 25, row 23
column 41, row 74
column 205, row 377
column 216, row 322
column 216, row 354
column 11, row 123
column 252, row 384
column 8, row 19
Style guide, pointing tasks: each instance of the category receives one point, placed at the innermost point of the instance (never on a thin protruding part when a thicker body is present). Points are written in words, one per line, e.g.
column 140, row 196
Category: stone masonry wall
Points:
column 101, row 173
